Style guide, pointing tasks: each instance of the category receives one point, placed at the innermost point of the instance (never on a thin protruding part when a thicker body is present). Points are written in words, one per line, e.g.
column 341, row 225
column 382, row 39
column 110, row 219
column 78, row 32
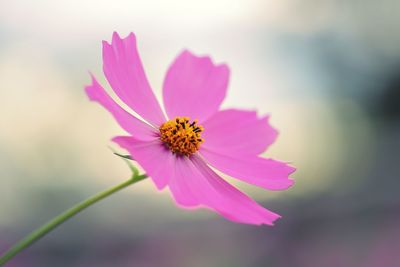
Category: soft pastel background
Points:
column 327, row 71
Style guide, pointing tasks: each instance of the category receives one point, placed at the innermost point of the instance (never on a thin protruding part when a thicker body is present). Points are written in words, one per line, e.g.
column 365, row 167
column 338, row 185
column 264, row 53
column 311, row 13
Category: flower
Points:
column 177, row 151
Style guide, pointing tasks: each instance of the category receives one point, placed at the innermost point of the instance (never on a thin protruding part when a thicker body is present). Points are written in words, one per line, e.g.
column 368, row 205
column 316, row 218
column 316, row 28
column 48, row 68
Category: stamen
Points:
column 181, row 136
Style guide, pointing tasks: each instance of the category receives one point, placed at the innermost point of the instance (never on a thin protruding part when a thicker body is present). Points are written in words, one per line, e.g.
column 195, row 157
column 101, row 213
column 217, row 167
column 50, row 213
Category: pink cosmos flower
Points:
column 178, row 150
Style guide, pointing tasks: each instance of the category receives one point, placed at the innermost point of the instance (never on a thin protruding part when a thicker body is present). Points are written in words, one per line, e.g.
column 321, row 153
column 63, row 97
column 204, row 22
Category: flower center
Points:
column 182, row 136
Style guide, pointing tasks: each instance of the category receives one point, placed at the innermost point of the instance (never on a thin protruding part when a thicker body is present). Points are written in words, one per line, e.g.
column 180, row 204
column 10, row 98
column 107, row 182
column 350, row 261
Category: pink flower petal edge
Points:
column 194, row 87
column 129, row 123
column 124, row 71
column 230, row 202
column 233, row 131
column 267, row 173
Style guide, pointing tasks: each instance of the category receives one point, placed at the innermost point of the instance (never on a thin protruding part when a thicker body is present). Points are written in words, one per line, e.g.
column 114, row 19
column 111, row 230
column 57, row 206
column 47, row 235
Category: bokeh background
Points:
column 327, row 71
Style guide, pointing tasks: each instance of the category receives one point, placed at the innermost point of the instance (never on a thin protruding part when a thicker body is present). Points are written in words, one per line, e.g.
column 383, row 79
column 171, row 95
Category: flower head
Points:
column 181, row 136
column 179, row 152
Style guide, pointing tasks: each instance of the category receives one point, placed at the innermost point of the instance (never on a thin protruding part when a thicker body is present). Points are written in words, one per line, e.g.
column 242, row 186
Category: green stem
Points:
column 43, row 230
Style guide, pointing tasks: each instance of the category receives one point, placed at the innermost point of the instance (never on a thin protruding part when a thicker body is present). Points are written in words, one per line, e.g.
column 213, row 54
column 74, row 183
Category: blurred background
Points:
column 327, row 71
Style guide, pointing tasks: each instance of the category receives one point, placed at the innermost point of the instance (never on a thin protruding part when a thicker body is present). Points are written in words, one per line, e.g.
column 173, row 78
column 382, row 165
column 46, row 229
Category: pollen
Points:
column 181, row 136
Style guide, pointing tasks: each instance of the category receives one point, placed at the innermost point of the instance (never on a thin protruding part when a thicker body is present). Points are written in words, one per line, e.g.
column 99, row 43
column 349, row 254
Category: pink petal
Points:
column 157, row 161
column 194, row 87
column 195, row 184
column 266, row 173
column 129, row 123
column 124, row 72
column 182, row 188
column 238, row 131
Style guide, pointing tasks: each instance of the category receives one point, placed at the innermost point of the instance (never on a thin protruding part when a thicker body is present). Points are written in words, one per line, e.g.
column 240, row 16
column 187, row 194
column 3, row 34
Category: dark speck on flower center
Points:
column 181, row 136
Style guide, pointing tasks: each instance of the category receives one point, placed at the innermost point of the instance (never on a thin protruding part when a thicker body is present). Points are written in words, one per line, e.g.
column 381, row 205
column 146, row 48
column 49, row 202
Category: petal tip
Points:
column 186, row 53
column 90, row 89
column 274, row 220
column 274, row 131
column 120, row 140
column 269, row 220
column 290, row 169
column 132, row 36
column 115, row 36
column 206, row 59
column 106, row 50
column 224, row 68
